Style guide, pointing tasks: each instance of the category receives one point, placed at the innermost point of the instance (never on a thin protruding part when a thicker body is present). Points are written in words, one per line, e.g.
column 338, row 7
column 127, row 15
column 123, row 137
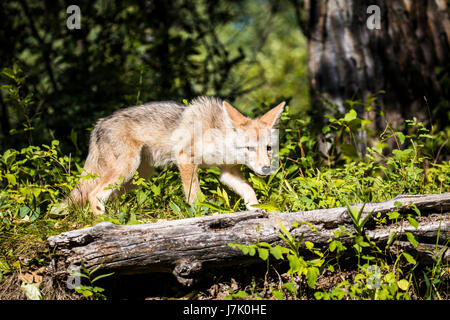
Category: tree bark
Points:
column 185, row 247
column 349, row 60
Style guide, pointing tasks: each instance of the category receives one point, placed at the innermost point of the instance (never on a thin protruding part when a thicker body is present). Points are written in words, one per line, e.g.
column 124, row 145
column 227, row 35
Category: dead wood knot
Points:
column 185, row 271
column 221, row 224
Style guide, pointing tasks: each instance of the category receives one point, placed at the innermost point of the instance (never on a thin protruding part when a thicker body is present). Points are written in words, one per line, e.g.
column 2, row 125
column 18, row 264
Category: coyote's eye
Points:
column 269, row 148
column 251, row 149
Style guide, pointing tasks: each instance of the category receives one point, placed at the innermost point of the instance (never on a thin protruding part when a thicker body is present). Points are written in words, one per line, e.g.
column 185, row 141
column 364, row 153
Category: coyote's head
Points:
column 254, row 142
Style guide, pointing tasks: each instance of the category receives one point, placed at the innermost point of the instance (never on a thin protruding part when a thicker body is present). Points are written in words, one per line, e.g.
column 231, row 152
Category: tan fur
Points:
column 205, row 133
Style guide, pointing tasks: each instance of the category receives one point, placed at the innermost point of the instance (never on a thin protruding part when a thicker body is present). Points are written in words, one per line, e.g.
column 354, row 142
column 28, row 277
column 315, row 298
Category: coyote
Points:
column 208, row 132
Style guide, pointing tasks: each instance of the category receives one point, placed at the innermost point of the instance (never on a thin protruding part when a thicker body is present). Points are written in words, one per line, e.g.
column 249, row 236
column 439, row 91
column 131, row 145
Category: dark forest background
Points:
column 129, row 52
column 314, row 54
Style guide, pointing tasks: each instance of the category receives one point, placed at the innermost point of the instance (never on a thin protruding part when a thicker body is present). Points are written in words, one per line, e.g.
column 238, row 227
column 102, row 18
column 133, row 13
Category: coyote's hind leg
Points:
column 120, row 174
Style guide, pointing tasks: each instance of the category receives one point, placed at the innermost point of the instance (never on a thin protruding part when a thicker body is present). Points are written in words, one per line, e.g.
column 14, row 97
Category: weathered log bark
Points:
column 184, row 247
column 351, row 57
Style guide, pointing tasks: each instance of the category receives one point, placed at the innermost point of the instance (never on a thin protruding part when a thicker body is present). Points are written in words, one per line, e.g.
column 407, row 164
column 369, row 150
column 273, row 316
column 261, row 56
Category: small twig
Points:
column 398, row 146
column 439, row 151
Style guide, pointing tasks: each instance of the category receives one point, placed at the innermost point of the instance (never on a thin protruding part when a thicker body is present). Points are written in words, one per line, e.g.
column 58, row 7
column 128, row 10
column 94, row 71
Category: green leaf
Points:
column 348, row 150
column 11, row 179
column 412, row 238
column 240, row 294
column 36, row 192
column 263, row 253
column 389, row 278
column 24, row 211
column 156, row 189
column 360, row 241
column 35, row 214
column 9, row 156
column 290, row 286
column 426, row 136
column 243, row 248
column 319, row 295
column 359, row 277
column 276, row 252
column 351, row 115
column 357, row 247
column 85, row 292
column 277, row 294
column 311, row 276
column 209, row 205
column 4, row 267
column 269, row 207
column 264, row 245
column 74, row 138
column 403, row 284
column 309, row 245
column 285, row 231
column 416, row 210
column 174, row 207
column 355, row 124
column 403, row 155
column 226, row 198
column 409, row 258
column 413, row 221
column 393, row 215
column 427, row 281
column 97, row 289
column 355, row 215
column 332, row 245
column 294, row 263
column 102, row 276
column 392, row 236
column 400, row 136
column 92, row 271
column 9, row 73
column 251, row 250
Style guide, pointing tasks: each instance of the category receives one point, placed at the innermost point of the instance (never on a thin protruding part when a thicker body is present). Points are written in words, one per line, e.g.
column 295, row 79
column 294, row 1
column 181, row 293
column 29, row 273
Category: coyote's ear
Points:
column 237, row 118
column 272, row 116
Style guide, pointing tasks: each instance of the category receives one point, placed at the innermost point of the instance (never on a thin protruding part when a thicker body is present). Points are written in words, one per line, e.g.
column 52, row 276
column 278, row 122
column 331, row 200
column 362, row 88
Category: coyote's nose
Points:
column 265, row 170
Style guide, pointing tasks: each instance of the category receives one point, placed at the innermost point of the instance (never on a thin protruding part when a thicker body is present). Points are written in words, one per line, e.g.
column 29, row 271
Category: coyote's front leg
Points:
column 233, row 178
column 189, row 177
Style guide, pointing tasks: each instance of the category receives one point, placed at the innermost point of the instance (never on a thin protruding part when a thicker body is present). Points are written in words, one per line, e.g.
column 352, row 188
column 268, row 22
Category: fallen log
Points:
column 187, row 246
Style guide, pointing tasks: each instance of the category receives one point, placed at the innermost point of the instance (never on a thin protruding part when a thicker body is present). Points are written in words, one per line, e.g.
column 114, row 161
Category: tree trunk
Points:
column 349, row 58
column 185, row 247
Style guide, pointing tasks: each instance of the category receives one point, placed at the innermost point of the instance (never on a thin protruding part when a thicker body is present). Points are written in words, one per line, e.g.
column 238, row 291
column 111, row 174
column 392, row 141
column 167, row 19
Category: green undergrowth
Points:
column 376, row 272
